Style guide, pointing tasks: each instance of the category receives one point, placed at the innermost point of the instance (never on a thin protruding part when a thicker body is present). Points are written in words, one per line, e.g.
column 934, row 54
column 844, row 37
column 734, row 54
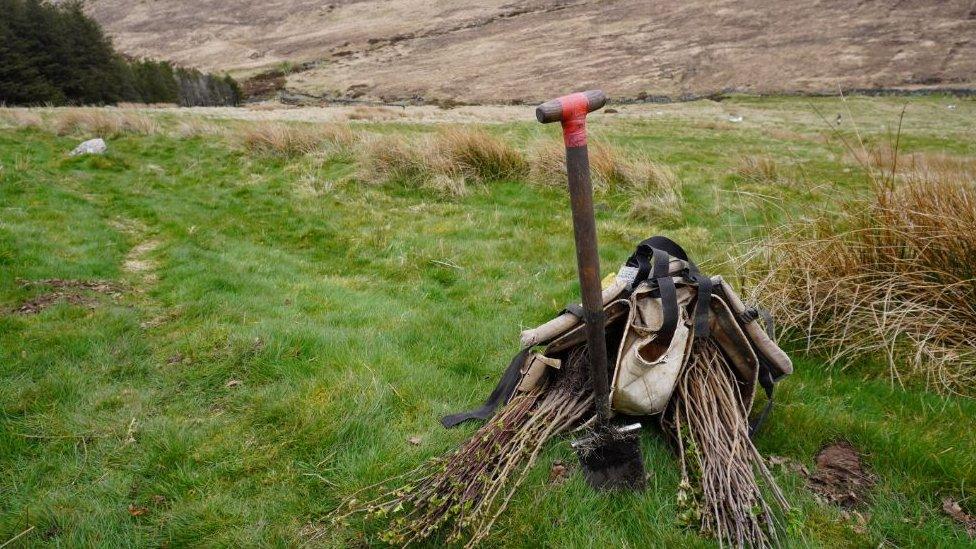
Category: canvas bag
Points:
column 649, row 360
column 744, row 333
column 652, row 352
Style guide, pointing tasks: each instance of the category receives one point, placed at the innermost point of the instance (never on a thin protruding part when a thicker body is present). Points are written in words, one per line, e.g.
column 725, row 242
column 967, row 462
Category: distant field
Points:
column 234, row 318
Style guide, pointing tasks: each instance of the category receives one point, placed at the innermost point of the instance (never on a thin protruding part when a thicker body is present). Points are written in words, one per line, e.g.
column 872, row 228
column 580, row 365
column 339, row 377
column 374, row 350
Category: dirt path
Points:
column 138, row 262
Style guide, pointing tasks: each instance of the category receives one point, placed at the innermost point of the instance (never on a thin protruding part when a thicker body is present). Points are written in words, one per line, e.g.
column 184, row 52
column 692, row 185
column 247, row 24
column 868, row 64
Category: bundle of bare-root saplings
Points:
column 684, row 353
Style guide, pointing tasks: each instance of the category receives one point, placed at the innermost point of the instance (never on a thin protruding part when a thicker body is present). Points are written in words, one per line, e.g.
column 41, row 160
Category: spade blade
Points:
column 612, row 461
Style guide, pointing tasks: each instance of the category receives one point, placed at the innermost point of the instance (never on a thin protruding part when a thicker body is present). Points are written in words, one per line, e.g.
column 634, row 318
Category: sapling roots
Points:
column 725, row 485
column 464, row 492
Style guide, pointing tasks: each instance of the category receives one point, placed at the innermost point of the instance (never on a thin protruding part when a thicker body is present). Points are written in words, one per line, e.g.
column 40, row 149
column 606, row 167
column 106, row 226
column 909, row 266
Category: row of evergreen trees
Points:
column 56, row 54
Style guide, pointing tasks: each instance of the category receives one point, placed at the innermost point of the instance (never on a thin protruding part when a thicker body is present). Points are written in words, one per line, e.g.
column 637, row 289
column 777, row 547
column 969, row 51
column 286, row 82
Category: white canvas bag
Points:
column 647, row 368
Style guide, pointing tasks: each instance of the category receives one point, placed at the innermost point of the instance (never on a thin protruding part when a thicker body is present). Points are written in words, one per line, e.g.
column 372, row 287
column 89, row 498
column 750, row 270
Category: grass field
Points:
column 273, row 329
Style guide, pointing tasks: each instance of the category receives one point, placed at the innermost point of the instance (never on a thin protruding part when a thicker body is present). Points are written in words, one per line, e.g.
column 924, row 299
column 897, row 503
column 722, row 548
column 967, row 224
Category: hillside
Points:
column 501, row 50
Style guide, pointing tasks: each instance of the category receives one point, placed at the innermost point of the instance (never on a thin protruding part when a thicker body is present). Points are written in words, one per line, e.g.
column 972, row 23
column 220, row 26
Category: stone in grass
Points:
column 92, row 146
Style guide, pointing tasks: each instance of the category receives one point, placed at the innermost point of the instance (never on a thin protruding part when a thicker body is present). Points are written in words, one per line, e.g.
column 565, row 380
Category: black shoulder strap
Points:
column 502, row 392
column 703, row 301
column 766, row 380
column 767, row 383
column 666, row 244
column 641, row 257
column 668, row 293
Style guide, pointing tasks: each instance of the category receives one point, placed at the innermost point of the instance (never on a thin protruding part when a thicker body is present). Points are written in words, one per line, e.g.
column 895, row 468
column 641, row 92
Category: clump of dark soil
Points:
column 558, row 473
column 76, row 292
column 840, row 477
column 954, row 510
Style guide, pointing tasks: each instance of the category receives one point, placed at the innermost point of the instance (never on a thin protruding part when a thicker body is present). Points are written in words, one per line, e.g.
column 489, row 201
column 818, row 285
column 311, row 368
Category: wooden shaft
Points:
column 563, row 323
column 552, row 111
column 588, row 265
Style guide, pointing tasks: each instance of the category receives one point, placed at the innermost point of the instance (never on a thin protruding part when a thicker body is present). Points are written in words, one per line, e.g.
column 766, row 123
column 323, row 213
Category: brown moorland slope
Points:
column 502, row 50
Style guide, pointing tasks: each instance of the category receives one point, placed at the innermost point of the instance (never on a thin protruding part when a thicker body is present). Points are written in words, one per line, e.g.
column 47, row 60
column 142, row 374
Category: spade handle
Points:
column 572, row 111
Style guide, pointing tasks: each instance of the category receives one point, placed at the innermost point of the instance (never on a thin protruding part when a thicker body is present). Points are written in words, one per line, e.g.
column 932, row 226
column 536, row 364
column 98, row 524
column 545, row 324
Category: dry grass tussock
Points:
column 369, row 113
column 266, row 106
column 290, row 140
column 661, row 206
column 129, row 105
column 895, row 277
column 758, row 169
column 447, row 162
column 191, row 127
column 100, row 122
column 19, row 118
column 885, row 163
column 766, row 171
column 653, row 189
column 611, row 169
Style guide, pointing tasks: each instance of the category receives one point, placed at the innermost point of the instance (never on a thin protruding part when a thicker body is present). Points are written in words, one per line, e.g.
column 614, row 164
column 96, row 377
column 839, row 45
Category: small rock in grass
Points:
column 233, row 383
column 92, row 146
column 415, row 440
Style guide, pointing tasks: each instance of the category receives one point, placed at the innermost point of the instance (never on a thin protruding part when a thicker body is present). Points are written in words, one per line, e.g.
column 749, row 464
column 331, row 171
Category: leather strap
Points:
column 702, row 301
column 502, row 393
column 766, row 379
column 768, row 385
column 668, row 292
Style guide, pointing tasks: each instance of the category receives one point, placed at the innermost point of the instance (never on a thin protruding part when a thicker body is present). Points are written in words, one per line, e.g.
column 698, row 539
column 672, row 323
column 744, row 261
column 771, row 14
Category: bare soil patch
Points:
column 75, row 292
column 137, row 261
column 840, row 477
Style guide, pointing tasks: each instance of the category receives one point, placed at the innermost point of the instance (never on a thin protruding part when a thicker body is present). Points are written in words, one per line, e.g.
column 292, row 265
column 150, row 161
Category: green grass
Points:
column 356, row 317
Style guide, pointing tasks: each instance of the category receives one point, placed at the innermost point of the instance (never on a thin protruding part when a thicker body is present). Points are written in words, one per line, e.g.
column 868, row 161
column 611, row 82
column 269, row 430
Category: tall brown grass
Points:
column 758, row 169
column 652, row 189
column 480, row 155
column 291, row 140
column 95, row 122
column 894, row 277
column 269, row 106
column 371, row 113
column 447, row 162
column 661, row 206
column 611, row 169
column 885, row 163
column 20, row 118
column 190, row 127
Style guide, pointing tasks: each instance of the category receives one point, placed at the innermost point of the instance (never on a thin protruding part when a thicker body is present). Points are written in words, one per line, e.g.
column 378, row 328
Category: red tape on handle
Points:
column 575, row 107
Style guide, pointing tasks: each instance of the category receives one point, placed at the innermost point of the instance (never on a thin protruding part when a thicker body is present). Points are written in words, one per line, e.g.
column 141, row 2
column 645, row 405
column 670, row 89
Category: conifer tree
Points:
column 56, row 54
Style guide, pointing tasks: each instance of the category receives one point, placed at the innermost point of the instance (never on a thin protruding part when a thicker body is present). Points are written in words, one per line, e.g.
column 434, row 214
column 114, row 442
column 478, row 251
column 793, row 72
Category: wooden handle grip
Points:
column 552, row 111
